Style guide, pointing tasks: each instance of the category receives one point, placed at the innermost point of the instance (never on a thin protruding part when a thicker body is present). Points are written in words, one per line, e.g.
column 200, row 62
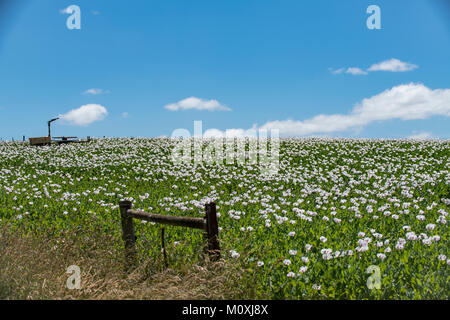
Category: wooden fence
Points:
column 208, row 224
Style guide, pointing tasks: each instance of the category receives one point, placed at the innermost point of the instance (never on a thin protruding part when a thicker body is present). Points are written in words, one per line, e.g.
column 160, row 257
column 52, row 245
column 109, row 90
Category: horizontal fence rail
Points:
column 208, row 224
column 196, row 223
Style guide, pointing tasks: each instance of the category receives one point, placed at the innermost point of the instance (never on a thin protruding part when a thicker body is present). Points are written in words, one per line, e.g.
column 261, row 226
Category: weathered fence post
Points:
column 128, row 231
column 208, row 224
column 212, row 231
column 163, row 245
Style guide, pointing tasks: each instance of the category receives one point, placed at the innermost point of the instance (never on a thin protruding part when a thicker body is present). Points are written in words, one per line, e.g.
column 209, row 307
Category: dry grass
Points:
column 35, row 268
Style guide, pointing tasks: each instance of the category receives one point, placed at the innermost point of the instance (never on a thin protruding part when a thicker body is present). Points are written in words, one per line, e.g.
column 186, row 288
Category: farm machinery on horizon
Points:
column 43, row 141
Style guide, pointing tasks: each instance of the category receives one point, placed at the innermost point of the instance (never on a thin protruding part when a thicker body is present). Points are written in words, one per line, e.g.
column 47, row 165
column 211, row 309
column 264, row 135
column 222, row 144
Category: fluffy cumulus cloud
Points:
column 193, row 103
column 404, row 102
column 393, row 65
column 85, row 115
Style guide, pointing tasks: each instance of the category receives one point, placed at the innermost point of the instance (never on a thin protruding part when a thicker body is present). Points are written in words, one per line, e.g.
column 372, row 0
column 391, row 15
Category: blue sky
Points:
column 274, row 64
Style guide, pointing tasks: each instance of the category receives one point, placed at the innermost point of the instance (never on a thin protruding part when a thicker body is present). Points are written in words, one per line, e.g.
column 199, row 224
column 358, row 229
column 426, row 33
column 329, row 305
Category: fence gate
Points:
column 208, row 224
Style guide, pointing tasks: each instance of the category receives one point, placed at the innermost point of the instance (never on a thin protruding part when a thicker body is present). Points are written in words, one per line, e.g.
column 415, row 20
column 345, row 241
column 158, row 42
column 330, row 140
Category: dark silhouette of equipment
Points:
column 49, row 122
column 42, row 141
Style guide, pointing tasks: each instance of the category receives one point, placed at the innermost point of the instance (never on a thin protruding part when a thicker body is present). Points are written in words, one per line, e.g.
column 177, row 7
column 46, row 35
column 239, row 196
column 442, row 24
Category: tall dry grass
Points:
column 34, row 267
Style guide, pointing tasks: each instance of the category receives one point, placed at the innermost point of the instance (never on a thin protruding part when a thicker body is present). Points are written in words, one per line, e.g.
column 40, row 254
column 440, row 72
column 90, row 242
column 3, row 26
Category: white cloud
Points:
column 355, row 71
column 404, row 102
column 393, row 65
column 85, row 115
column 95, row 12
column 197, row 104
column 421, row 136
column 95, row 91
column 351, row 70
column 125, row 114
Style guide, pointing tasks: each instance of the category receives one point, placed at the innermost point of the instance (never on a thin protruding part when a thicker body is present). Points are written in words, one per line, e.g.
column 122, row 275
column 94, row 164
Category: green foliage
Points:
column 395, row 192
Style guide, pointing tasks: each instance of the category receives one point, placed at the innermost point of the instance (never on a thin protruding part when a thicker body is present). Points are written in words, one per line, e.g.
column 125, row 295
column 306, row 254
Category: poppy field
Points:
column 342, row 218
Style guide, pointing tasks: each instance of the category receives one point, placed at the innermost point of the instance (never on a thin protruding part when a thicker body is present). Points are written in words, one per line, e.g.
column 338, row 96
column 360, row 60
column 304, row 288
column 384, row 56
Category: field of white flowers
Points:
column 335, row 208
